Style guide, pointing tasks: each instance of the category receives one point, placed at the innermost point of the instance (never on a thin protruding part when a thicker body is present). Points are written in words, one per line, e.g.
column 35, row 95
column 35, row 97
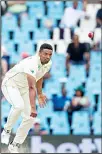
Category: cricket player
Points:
column 21, row 85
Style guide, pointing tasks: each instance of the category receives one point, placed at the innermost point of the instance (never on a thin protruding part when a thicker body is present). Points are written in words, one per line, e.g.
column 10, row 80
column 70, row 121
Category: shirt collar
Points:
column 39, row 61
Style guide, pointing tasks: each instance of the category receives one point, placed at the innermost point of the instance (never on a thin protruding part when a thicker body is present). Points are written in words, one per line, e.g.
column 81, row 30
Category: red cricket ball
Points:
column 91, row 35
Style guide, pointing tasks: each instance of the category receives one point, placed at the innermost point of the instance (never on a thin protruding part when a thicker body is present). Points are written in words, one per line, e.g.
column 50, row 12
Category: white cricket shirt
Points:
column 32, row 66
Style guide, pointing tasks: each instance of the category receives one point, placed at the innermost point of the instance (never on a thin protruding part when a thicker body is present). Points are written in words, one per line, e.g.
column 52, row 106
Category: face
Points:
column 64, row 92
column 78, row 93
column 75, row 4
column 75, row 39
column 45, row 55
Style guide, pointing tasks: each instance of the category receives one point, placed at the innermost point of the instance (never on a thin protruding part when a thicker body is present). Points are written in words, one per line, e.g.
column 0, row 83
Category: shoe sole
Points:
column 10, row 150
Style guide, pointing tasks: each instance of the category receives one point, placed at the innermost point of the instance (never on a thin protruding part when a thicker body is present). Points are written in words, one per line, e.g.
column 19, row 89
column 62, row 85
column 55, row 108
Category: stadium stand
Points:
column 27, row 38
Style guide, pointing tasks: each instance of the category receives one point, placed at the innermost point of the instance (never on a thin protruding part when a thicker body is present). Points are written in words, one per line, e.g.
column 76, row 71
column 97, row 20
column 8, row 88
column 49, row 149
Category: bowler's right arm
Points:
column 32, row 93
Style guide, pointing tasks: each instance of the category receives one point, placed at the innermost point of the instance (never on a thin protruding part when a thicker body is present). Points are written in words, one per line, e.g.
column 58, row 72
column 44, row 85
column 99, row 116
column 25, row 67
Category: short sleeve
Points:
column 30, row 69
column 69, row 48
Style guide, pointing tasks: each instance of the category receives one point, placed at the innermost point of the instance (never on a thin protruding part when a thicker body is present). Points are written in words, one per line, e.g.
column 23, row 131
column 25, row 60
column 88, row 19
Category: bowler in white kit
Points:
column 21, row 85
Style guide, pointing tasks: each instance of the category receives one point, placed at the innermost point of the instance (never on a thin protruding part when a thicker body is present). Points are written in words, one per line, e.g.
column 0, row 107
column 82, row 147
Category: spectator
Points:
column 99, row 18
column 79, row 102
column 71, row 17
column 77, row 53
column 38, row 130
column 59, row 102
column 17, row 8
column 5, row 60
column 4, row 7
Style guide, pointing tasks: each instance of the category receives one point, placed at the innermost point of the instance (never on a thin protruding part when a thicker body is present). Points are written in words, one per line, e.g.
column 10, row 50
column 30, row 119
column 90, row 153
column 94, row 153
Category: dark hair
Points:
column 81, row 89
column 46, row 46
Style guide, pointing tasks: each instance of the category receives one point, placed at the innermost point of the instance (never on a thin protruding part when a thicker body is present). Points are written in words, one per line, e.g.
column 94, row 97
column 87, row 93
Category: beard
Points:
column 45, row 62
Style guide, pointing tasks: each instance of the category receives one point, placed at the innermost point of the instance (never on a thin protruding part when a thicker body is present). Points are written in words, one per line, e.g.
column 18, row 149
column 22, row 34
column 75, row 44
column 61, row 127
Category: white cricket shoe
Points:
column 13, row 148
column 5, row 136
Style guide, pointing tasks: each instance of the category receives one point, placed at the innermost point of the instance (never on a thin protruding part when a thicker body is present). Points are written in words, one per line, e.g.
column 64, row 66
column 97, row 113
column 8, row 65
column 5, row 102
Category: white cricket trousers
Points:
column 20, row 106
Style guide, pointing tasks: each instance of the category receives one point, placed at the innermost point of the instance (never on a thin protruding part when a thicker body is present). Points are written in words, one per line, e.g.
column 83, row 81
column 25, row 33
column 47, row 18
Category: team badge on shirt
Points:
column 32, row 71
column 39, row 67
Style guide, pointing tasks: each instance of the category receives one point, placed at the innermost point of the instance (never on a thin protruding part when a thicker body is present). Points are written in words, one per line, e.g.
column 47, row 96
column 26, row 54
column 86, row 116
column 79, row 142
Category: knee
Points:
column 29, row 120
column 28, row 117
column 19, row 108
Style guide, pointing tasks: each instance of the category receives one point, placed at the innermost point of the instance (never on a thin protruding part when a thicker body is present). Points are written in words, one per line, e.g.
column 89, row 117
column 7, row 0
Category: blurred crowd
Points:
column 77, row 52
